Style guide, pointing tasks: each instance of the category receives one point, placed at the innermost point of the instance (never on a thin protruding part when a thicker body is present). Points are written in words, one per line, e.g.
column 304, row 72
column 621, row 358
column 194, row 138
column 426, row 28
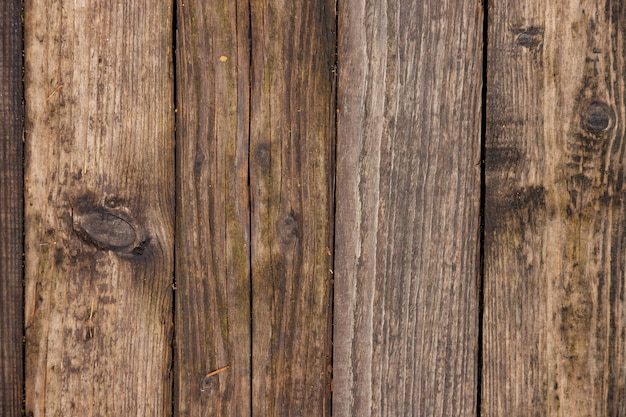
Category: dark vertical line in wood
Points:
column 23, row 205
column 333, row 193
column 11, row 211
column 481, row 272
column 173, row 374
column 251, row 299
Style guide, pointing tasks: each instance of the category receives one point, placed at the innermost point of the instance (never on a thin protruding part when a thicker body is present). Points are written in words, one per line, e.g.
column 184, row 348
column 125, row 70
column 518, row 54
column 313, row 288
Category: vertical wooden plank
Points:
column 291, row 170
column 11, row 210
column 99, row 207
column 555, row 210
column 408, row 194
column 212, row 243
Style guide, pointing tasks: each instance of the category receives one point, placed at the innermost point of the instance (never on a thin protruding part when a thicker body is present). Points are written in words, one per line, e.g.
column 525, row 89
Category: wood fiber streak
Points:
column 291, row 168
column 11, row 210
column 555, row 212
column 407, row 221
column 99, row 207
column 213, row 217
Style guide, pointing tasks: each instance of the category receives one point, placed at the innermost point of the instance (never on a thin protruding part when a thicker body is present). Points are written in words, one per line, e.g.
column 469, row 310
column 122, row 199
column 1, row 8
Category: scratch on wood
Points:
column 217, row 371
column 56, row 90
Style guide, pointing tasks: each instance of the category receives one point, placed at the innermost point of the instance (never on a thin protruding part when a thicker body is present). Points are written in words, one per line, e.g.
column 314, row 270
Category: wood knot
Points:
column 596, row 117
column 529, row 37
column 263, row 155
column 109, row 230
column 289, row 229
column 105, row 230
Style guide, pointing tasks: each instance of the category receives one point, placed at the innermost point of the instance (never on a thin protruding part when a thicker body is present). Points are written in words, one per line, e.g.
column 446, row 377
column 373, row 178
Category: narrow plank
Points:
column 213, row 217
column 554, row 239
column 291, row 172
column 11, row 210
column 99, row 207
column 407, row 221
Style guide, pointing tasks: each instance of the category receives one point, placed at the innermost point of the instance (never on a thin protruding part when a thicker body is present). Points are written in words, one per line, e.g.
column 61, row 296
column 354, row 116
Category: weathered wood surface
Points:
column 408, row 187
column 213, row 217
column 291, row 173
column 99, row 207
column 555, row 210
column 11, row 210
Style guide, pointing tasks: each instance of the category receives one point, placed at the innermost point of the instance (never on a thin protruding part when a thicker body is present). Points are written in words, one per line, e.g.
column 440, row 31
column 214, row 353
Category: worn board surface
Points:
column 11, row 210
column 213, row 217
column 555, row 210
column 408, row 187
column 99, row 208
column 291, row 150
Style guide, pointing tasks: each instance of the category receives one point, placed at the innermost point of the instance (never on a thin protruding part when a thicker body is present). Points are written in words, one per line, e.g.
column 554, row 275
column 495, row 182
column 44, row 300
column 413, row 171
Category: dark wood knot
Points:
column 110, row 231
column 596, row 117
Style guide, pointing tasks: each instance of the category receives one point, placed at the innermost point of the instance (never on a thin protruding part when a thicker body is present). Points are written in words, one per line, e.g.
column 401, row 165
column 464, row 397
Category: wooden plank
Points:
column 99, row 207
column 213, row 217
column 11, row 210
column 407, row 221
column 555, row 210
column 291, row 172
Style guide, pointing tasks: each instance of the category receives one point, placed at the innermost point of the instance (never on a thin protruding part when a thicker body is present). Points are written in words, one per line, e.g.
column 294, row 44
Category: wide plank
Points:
column 554, row 343
column 291, row 177
column 99, row 207
column 408, row 197
column 11, row 210
column 213, row 216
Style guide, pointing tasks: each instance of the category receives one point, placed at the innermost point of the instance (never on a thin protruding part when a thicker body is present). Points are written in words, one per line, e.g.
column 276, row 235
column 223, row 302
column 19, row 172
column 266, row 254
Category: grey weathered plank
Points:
column 291, row 171
column 213, row 217
column 11, row 210
column 99, row 207
column 408, row 193
column 555, row 213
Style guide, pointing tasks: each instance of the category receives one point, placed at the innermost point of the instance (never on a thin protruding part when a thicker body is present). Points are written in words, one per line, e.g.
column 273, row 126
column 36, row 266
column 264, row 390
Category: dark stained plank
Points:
column 213, row 217
column 11, row 210
column 99, row 208
column 408, row 196
column 291, row 172
column 554, row 341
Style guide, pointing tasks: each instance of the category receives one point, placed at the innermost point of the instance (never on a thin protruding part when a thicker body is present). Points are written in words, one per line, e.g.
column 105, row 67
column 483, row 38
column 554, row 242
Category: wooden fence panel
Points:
column 99, row 207
column 408, row 194
column 213, row 217
column 11, row 210
column 555, row 210
column 291, row 174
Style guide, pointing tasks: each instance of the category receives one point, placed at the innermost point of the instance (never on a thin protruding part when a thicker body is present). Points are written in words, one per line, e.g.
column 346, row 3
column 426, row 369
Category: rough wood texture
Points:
column 213, row 221
column 99, row 208
column 11, row 210
column 291, row 171
column 408, row 187
column 555, row 210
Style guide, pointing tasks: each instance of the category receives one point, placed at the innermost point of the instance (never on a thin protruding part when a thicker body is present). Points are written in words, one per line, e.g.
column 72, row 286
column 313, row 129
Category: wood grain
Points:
column 291, row 174
column 407, row 220
column 213, row 216
column 99, row 208
column 555, row 210
column 11, row 210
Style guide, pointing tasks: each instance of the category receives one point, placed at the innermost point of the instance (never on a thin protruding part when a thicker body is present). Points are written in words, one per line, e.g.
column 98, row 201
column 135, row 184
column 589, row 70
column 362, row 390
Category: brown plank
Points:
column 291, row 171
column 213, row 218
column 11, row 210
column 555, row 210
column 408, row 194
column 99, row 207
